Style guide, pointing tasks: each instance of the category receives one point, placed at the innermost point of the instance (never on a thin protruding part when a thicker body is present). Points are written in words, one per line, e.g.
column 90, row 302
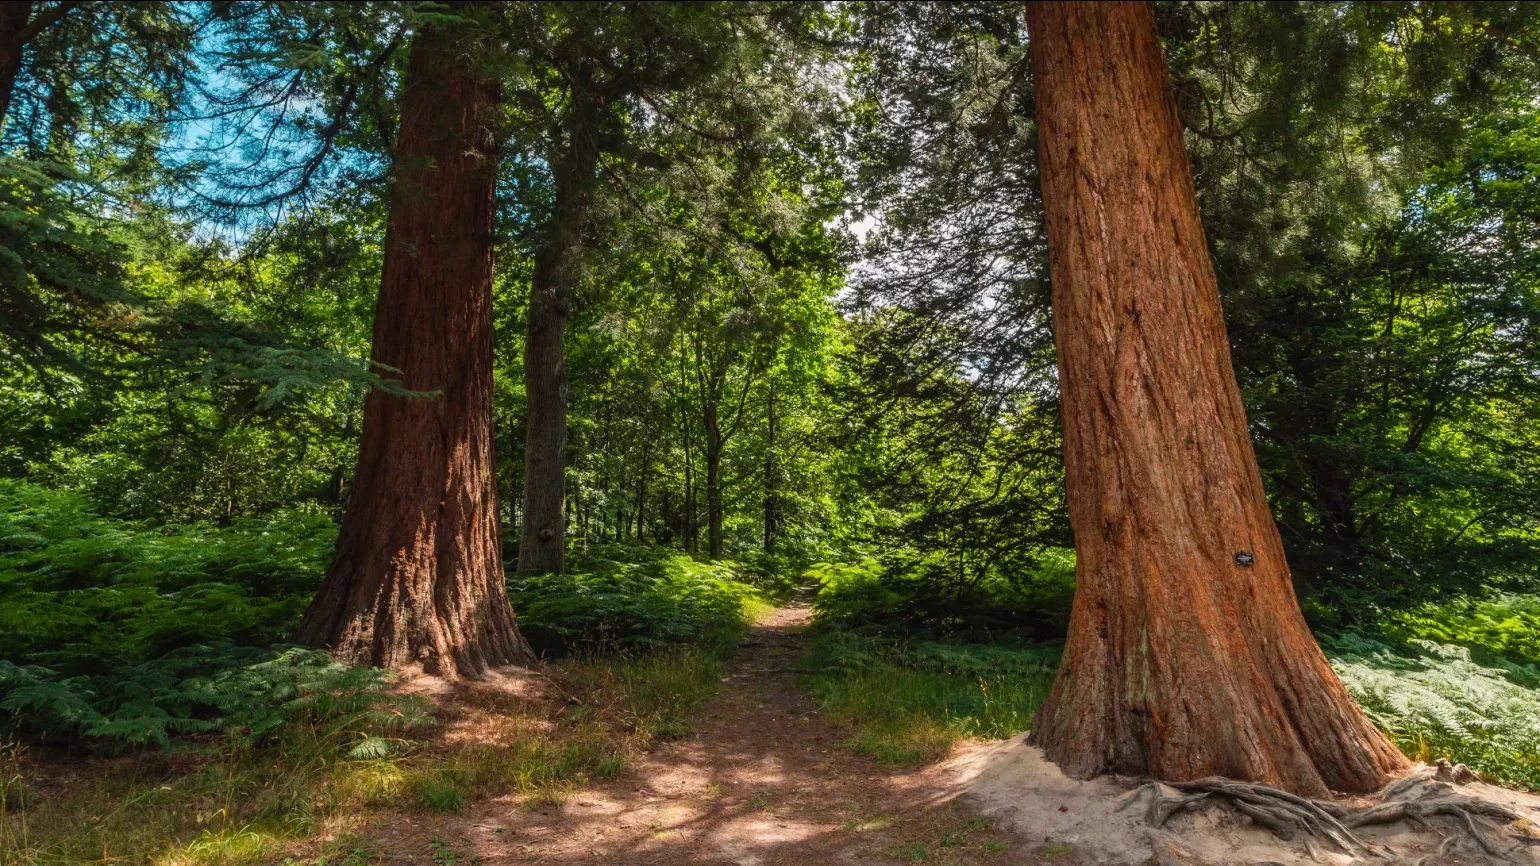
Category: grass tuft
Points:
column 909, row 703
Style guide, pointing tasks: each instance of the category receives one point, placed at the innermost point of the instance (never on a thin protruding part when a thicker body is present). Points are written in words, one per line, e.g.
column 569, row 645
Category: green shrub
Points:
column 925, row 599
column 1506, row 627
column 130, row 635
column 247, row 691
column 909, row 701
column 1435, row 702
column 83, row 594
column 659, row 600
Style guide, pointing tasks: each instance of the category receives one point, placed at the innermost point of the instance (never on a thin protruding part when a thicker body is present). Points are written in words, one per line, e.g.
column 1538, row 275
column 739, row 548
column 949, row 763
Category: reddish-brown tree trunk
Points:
column 417, row 576
column 1187, row 654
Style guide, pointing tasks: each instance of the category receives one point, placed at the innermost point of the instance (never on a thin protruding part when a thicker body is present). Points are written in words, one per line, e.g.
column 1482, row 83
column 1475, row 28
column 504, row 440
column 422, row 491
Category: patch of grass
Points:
column 1459, row 697
column 443, row 853
column 439, row 792
column 154, row 645
column 228, row 801
column 952, row 843
column 910, row 702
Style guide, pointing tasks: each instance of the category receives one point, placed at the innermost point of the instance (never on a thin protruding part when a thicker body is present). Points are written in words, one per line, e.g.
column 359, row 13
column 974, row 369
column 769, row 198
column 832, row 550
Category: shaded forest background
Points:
column 808, row 341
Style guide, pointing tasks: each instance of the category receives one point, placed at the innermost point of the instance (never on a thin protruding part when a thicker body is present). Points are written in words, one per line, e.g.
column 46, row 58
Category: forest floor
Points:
column 760, row 779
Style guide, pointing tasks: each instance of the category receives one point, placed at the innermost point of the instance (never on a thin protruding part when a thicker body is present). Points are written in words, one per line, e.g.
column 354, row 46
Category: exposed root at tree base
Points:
column 1437, row 816
column 1425, row 794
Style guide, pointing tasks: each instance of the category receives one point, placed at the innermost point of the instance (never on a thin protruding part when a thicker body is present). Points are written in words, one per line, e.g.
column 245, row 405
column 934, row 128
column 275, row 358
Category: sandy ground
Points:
column 1102, row 821
column 762, row 780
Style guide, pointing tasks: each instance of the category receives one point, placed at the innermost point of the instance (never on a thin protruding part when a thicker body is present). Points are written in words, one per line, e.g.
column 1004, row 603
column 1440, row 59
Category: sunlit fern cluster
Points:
column 1435, row 701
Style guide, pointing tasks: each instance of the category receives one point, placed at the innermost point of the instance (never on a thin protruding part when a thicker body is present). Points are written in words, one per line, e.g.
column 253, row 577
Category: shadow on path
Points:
column 762, row 780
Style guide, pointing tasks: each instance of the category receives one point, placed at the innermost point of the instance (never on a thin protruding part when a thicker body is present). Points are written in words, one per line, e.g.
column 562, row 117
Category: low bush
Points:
column 629, row 600
column 923, row 599
column 1506, row 627
column 130, row 635
column 1436, row 702
column 1457, row 682
column 82, row 594
column 125, row 634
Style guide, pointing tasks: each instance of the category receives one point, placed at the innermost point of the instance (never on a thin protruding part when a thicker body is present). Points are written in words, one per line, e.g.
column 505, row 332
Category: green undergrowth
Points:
column 115, row 634
column 150, row 711
column 634, row 600
column 908, row 702
column 1457, row 681
column 925, row 599
column 230, row 800
column 1436, row 701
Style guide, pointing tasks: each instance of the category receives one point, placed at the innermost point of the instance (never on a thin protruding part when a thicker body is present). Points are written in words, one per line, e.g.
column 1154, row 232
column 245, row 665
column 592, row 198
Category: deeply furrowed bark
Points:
column 1187, row 654
column 417, row 576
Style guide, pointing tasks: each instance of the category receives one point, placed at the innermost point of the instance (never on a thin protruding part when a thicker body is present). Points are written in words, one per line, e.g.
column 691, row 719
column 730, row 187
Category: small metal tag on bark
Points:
column 1244, row 557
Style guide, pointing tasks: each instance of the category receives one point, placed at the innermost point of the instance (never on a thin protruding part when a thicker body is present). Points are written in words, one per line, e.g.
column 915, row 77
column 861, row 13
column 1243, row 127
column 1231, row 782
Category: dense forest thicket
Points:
column 755, row 301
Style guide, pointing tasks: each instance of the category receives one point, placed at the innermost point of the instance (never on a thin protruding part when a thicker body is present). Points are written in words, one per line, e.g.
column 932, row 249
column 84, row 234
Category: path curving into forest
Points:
column 762, row 779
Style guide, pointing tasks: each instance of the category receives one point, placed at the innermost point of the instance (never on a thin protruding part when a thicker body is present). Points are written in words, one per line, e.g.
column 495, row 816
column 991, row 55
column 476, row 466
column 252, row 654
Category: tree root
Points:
column 1415, row 799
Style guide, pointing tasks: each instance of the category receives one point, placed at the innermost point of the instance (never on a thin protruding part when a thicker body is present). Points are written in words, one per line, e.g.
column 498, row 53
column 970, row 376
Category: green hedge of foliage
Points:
column 920, row 600
column 83, row 593
column 123, row 633
column 1506, row 627
column 1459, row 681
column 1435, row 701
column 131, row 635
column 630, row 599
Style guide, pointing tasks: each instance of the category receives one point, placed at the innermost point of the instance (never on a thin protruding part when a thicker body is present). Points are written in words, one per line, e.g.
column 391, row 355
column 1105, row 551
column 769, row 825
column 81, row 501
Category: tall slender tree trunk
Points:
column 542, row 540
column 1187, row 654
column 417, row 577
column 713, row 480
column 641, row 491
column 772, row 474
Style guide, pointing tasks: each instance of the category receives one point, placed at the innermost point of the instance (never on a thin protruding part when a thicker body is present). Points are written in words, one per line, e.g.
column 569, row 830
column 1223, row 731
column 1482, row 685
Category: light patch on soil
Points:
column 760, row 780
column 1098, row 821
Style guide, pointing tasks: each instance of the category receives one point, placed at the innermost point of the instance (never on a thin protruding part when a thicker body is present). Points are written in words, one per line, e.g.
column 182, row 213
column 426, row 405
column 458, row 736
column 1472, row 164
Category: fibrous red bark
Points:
column 417, row 577
column 1187, row 654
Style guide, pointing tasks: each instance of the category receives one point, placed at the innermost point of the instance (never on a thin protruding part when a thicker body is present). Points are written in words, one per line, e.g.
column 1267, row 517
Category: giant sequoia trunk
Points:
column 542, row 537
column 1187, row 654
column 417, row 576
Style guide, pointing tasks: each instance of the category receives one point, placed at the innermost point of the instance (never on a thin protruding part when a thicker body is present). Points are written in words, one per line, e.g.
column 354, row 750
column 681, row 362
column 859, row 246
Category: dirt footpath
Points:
column 762, row 780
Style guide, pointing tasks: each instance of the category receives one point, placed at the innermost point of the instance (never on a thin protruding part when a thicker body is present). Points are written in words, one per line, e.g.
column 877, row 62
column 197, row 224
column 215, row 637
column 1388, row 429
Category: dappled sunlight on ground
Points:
column 760, row 780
